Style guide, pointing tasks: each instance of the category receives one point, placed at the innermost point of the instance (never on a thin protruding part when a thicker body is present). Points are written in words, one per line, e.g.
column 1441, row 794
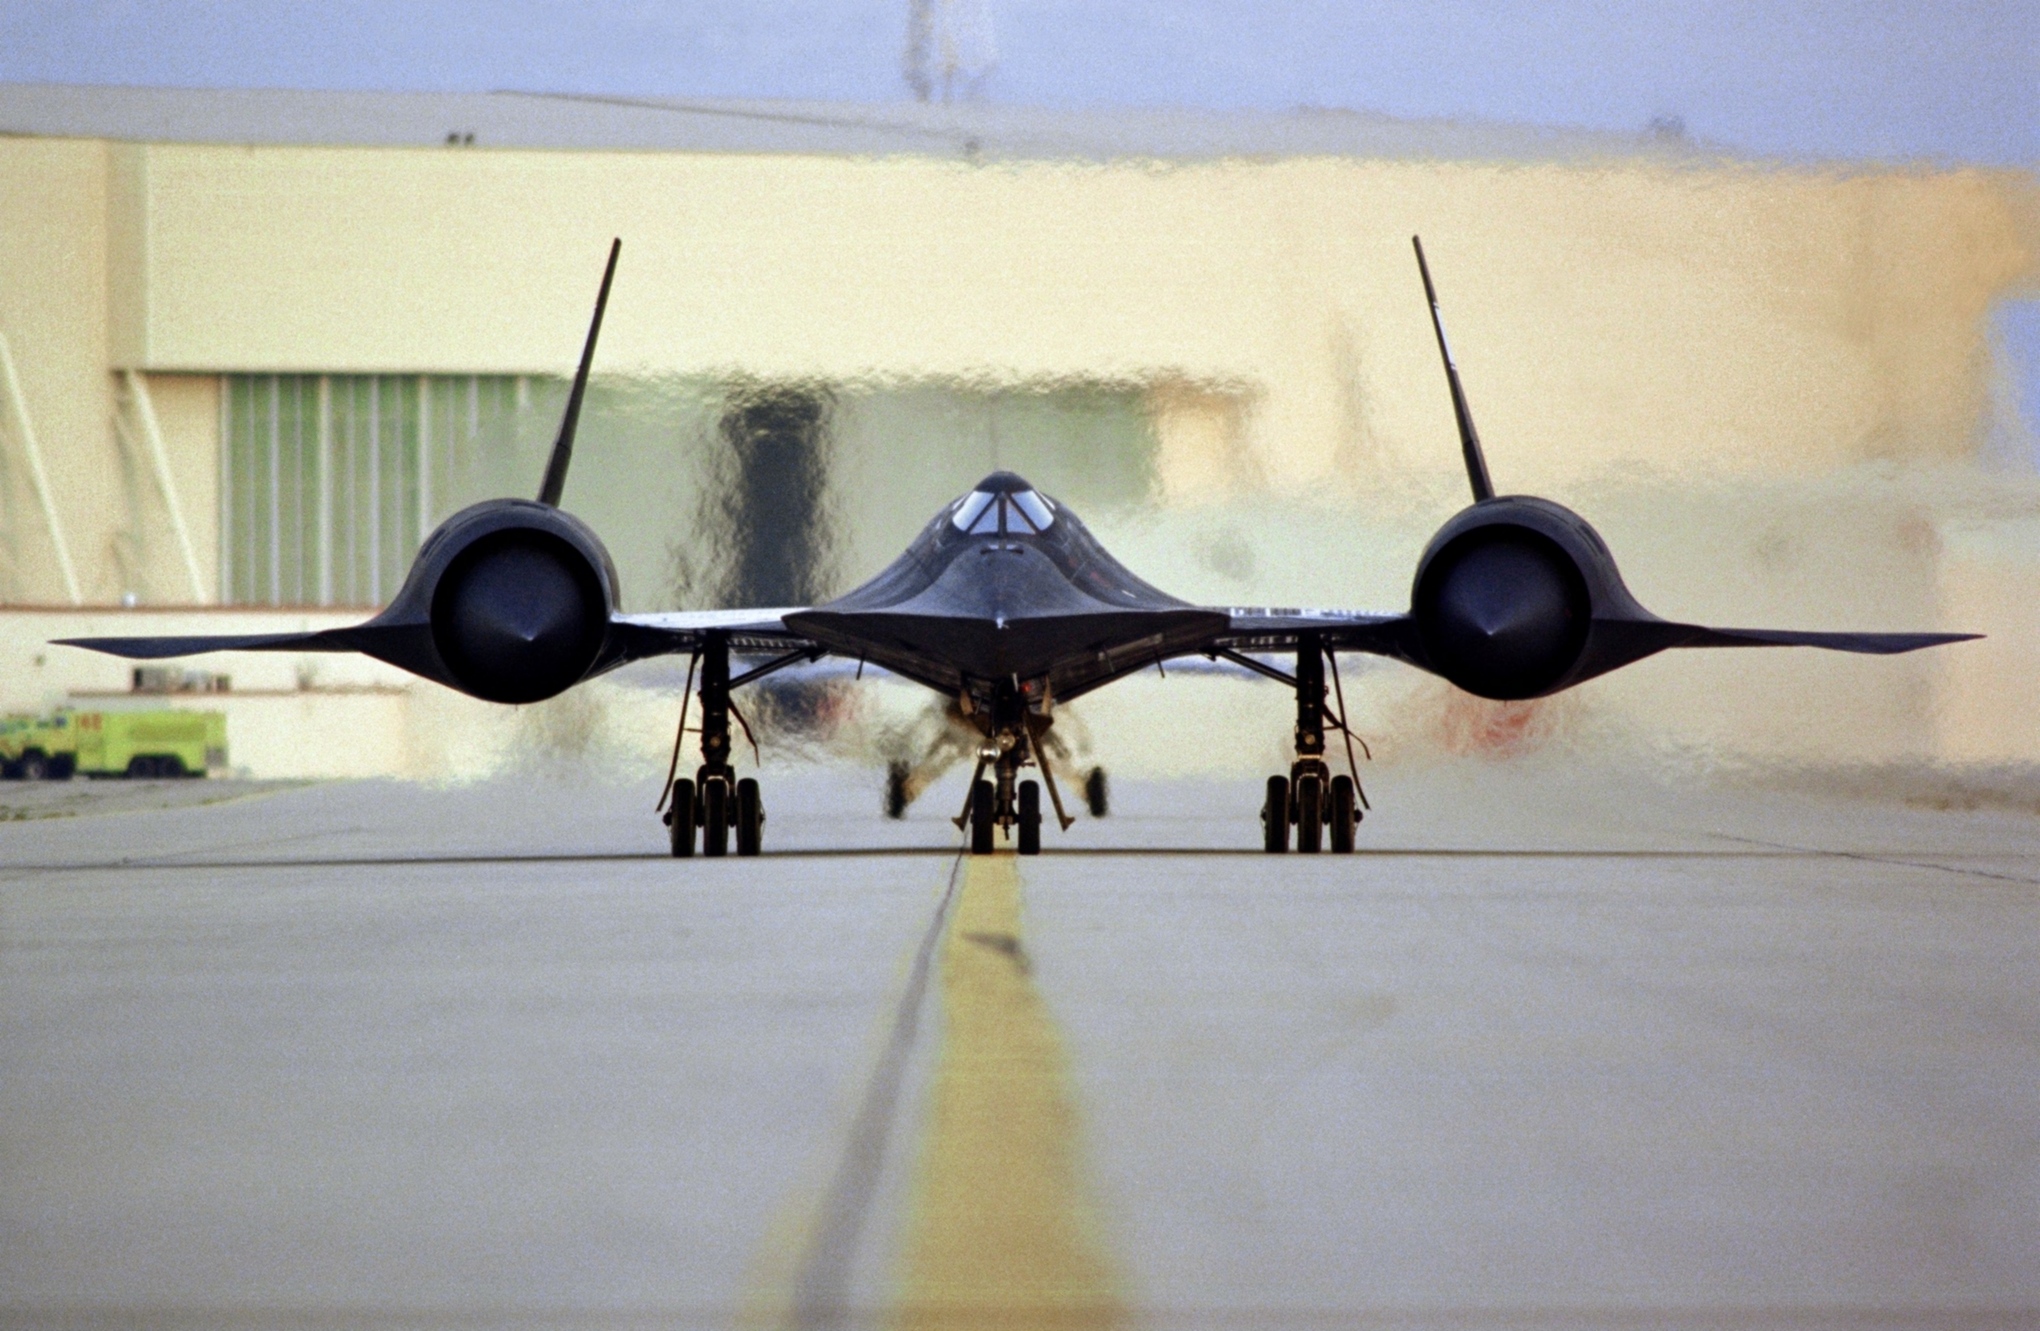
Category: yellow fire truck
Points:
column 137, row 744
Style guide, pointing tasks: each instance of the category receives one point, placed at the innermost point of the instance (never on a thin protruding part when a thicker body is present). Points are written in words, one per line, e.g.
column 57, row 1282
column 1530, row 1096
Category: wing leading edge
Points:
column 1630, row 637
column 409, row 643
column 635, row 637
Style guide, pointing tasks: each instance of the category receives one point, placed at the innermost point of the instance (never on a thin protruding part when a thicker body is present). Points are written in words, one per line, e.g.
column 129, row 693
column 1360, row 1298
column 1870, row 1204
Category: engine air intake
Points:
column 518, row 616
column 1503, row 611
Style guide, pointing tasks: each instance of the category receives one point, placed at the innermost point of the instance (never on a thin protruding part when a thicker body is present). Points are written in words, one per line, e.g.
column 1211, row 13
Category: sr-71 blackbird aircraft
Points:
column 1007, row 605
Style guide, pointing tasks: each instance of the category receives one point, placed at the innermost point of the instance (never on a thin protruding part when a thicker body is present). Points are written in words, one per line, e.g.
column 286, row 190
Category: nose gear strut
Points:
column 1014, row 731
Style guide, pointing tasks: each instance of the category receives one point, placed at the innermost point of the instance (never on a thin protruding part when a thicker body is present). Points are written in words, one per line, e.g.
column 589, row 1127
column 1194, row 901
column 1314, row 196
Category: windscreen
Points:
column 982, row 513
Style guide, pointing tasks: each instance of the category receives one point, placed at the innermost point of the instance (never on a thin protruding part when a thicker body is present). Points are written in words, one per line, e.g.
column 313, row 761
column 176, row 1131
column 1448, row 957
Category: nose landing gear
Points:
column 1013, row 739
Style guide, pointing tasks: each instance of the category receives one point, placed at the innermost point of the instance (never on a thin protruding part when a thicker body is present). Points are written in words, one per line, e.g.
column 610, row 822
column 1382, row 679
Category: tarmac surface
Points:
column 1561, row 1048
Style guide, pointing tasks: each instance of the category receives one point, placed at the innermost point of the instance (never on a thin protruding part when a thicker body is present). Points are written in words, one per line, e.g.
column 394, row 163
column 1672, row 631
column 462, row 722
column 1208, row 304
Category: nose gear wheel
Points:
column 983, row 801
column 1030, row 818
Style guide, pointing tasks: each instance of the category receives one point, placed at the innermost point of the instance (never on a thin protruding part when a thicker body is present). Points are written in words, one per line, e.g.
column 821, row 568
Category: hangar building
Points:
column 258, row 343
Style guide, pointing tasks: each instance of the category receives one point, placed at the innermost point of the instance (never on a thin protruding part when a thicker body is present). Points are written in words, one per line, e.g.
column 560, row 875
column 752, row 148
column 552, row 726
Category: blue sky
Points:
column 1949, row 80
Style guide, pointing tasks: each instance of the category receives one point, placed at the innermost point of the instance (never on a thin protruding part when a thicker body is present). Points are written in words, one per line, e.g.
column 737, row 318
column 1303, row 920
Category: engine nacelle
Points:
column 511, row 601
column 1507, row 595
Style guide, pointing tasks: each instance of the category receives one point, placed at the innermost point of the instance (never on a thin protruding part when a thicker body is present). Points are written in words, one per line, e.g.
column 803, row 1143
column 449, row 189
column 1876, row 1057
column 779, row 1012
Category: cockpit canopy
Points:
column 1003, row 505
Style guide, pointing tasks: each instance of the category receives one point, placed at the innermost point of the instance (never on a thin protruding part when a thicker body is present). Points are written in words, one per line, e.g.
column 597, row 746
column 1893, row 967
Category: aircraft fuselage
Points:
column 1007, row 588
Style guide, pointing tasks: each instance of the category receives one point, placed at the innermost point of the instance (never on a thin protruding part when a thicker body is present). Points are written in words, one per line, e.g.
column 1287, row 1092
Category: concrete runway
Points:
column 1560, row 1050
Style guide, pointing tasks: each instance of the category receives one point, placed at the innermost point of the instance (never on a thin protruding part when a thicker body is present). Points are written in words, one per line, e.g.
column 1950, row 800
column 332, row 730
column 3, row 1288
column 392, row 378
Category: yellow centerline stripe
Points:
column 1000, row 1232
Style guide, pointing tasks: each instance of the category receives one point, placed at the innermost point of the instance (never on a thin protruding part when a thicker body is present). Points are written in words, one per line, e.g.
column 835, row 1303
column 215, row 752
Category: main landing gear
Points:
column 1013, row 730
column 1321, row 807
column 715, row 802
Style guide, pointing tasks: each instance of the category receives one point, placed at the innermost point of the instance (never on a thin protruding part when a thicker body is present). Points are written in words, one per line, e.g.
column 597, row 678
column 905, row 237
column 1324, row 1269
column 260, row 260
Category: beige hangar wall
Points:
column 53, row 314
column 1691, row 321
column 1769, row 341
column 1733, row 318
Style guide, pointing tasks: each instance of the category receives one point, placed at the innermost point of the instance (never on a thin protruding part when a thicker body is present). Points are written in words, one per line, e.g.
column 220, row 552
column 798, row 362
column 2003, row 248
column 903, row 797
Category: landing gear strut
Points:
column 715, row 801
column 1005, row 802
column 1310, row 799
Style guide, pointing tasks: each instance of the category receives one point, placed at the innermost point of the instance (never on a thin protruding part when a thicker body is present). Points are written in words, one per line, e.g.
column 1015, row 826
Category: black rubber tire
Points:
column 35, row 766
column 983, row 799
column 896, row 789
column 1095, row 792
column 715, row 818
column 1030, row 818
column 1342, row 815
column 65, row 766
column 1275, row 816
column 750, row 818
column 140, row 767
column 681, row 818
column 169, row 764
column 1310, row 815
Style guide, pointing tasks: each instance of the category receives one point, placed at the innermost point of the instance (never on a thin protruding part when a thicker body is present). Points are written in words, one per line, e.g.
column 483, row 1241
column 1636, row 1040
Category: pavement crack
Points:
column 1893, row 861
column 821, row 1289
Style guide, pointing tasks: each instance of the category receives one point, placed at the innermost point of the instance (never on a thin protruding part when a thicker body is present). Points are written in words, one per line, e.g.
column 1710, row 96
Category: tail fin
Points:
column 563, row 447
column 1469, row 441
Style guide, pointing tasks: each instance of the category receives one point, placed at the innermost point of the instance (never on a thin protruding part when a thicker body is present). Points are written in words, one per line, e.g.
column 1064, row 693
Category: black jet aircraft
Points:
column 1007, row 606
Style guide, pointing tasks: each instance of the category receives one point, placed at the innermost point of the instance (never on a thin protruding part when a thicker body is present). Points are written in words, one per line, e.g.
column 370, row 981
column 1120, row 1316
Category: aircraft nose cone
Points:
column 1496, row 615
column 515, row 606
